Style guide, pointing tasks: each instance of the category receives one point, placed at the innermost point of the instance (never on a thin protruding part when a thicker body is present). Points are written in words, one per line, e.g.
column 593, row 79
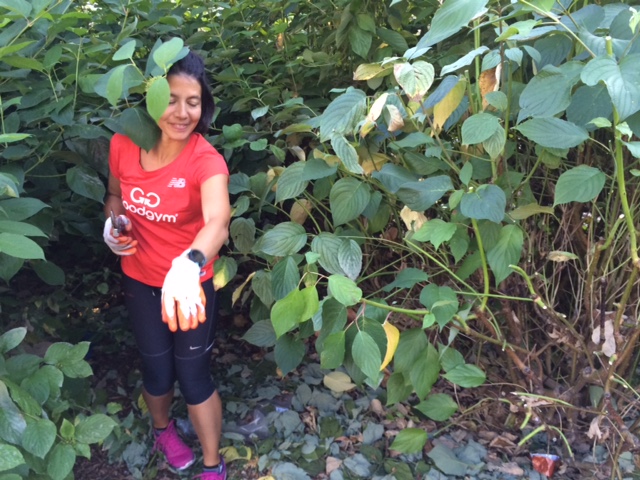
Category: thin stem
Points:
column 485, row 267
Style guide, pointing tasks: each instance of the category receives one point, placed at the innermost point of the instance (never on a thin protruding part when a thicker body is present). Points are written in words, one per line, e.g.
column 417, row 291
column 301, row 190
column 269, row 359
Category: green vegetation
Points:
column 420, row 191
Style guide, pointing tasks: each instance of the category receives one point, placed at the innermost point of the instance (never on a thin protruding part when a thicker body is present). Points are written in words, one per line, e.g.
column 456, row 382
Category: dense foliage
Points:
column 417, row 187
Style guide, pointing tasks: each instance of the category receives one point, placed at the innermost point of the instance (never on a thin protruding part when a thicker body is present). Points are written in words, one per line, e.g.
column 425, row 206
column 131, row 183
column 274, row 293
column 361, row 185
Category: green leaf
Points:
column 445, row 459
column 350, row 258
column 60, row 461
column 409, row 440
column 94, row 429
column 442, row 301
column 125, row 52
column 158, row 96
column 85, row 181
column 425, row 371
column 346, row 153
column 315, row 168
column 398, row 389
column 450, row 358
column 412, row 345
column 506, row 252
column 393, row 177
column 464, row 61
column 479, row 127
column 21, row 228
column 18, row 209
column 333, row 350
column 24, row 62
column 286, row 238
column 343, row 114
column 139, row 127
column 285, row 277
column 11, row 339
column 326, row 245
column 261, row 334
column 450, row 18
column 487, row 202
column 288, row 353
column 366, row 355
column 10, row 457
column 553, row 132
column 528, row 210
column 20, row 246
column 546, row 94
column 579, row 184
column 288, row 312
column 415, row 79
column 261, row 285
column 12, row 422
column 466, row 376
column 290, row 182
column 407, row 278
column 621, row 81
column 419, row 196
column 435, row 231
column 13, row 137
column 438, row 407
column 168, row 53
column 224, row 269
column 243, row 234
column 348, row 199
column 344, row 290
column 21, row 7
column 360, row 41
column 115, row 84
column 39, row 436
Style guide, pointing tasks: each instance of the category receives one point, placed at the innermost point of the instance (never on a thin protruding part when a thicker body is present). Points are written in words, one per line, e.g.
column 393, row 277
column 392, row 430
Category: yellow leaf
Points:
column 231, row 454
column 338, row 382
column 142, row 405
column 443, row 109
column 366, row 128
column 396, row 122
column 272, row 173
column 268, row 477
column 372, row 162
column 238, row 291
column 393, row 337
column 300, row 210
column 376, row 108
column 367, row 71
column 412, row 220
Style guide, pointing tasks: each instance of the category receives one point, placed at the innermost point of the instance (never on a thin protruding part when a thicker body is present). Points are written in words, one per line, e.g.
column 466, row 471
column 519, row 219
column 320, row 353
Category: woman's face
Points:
column 184, row 110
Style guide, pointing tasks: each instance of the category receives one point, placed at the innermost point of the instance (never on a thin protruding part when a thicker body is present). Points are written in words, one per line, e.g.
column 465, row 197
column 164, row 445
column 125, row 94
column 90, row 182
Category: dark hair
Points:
column 193, row 66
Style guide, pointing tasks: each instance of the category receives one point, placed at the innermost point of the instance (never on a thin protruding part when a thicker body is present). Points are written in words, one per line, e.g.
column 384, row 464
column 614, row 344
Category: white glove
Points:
column 119, row 244
column 183, row 299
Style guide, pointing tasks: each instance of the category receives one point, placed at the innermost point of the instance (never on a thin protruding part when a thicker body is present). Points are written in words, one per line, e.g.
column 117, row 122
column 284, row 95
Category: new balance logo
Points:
column 177, row 183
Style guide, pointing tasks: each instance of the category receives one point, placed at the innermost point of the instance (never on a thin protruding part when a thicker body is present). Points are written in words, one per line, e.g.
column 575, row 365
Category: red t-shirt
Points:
column 164, row 205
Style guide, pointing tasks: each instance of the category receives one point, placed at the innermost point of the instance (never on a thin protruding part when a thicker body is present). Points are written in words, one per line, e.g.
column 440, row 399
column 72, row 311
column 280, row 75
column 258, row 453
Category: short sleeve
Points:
column 115, row 154
column 208, row 162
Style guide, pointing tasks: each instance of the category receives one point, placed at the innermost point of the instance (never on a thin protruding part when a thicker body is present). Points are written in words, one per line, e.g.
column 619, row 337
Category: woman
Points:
column 171, row 206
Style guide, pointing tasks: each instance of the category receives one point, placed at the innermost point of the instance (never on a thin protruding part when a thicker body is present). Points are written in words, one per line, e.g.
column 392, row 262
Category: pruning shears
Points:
column 117, row 223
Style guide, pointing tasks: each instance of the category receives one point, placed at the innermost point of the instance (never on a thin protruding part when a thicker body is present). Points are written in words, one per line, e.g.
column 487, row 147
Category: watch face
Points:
column 196, row 256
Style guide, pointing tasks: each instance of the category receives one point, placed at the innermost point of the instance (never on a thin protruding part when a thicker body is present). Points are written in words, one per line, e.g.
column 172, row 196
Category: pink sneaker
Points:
column 169, row 443
column 221, row 475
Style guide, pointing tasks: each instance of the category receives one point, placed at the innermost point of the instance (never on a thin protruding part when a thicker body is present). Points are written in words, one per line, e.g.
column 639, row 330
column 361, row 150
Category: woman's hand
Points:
column 183, row 299
column 118, row 243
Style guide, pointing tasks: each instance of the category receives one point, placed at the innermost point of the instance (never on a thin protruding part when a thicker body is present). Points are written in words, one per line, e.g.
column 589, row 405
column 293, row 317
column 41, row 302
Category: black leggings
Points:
column 167, row 356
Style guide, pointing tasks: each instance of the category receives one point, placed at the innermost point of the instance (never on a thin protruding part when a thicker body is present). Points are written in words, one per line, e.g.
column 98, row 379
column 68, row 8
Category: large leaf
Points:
column 290, row 182
column 39, row 436
column 419, row 196
column 344, row 290
column 438, row 407
column 343, row 114
column 435, row 231
column 168, row 53
column 622, row 81
column 441, row 300
column 350, row 258
column 18, row 209
column 366, row 354
column 288, row 352
column 464, row 61
column 425, row 371
column 486, row 202
column 506, row 252
column 415, row 78
column 12, row 422
column 243, row 233
column 11, row 339
column 326, row 245
column 348, row 199
column 136, row 124
column 409, row 440
column 20, row 246
column 10, row 457
column 287, row 312
column 478, row 128
column 284, row 239
column 224, row 269
column 579, row 184
column 450, row 18
column 158, row 96
column 393, row 177
column 285, row 277
column 407, row 278
column 467, row 376
column 332, row 354
column 553, row 132
column 261, row 334
column 346, row 153
column 60, row 461
column 546, row 94
column 21, row 228
column 85, row 181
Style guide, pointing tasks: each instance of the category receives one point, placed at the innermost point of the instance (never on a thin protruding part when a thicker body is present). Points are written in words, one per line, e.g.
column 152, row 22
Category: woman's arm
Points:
column 113, row 198
column 216, row 211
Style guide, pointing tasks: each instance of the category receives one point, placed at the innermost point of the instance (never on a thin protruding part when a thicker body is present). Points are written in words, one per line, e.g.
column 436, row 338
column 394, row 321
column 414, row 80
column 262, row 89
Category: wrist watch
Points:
column 197, row 256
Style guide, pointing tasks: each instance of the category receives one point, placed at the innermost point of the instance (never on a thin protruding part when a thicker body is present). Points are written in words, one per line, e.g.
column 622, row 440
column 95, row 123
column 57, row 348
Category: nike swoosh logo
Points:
column 195, row 348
